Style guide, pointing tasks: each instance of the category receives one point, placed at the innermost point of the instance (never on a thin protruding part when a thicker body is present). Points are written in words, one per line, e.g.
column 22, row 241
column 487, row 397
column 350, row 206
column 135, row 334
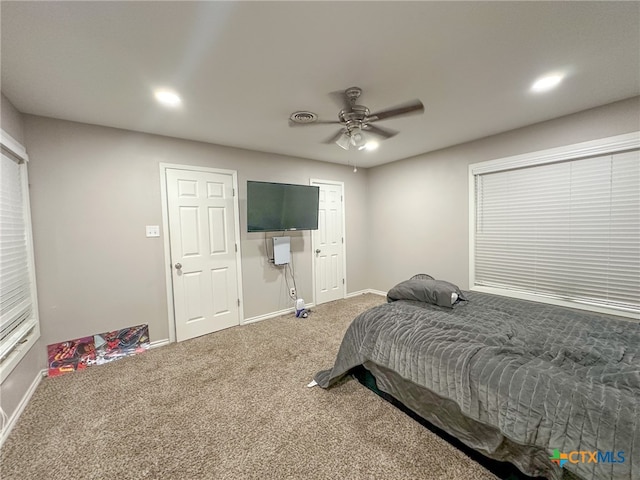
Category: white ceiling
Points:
column 243, row 67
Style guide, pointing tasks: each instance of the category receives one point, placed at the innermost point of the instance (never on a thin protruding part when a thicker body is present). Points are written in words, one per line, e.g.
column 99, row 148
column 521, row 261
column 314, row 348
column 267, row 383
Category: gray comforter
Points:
column 545, row 376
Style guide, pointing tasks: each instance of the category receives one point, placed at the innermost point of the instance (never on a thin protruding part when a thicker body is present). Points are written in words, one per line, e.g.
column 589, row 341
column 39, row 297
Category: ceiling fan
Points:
column 356, row 120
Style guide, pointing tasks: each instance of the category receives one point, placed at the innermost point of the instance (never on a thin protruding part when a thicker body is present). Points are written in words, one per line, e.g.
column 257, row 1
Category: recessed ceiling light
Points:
column 371, row 145
column 168, row 98
column 546, row 83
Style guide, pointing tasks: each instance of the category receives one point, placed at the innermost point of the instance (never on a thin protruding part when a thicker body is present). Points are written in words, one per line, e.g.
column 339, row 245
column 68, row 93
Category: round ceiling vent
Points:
column 303, row 117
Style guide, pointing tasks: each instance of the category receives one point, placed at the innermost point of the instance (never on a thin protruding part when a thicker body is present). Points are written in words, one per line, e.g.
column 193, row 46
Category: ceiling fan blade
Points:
column 382, row 132
column 317, row 122
column 333, row 138
column 408, row 108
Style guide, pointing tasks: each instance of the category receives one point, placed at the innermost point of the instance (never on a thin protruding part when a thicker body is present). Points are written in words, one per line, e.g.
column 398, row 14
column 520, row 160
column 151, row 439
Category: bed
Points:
column 519, row 381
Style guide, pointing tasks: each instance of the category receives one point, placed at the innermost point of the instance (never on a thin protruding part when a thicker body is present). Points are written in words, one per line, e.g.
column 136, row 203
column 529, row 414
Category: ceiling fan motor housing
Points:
column 354, row 117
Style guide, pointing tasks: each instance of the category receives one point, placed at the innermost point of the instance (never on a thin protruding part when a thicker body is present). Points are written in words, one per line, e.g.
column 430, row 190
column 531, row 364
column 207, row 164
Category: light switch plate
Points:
column 153, row 230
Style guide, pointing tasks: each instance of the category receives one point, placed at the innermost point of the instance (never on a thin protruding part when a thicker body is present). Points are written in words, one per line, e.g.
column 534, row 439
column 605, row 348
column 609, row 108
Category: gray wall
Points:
column 17, row 383
column 93, row 190
column 11, row 121
column 419, row 219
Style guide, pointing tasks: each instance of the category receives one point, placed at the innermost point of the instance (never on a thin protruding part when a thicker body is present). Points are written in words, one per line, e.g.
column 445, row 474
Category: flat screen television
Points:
column 273, row 207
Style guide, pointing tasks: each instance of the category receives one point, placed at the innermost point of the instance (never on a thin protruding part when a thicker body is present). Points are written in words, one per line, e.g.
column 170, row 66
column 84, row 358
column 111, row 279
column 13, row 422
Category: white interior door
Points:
column 201, row 215
column 328, row 244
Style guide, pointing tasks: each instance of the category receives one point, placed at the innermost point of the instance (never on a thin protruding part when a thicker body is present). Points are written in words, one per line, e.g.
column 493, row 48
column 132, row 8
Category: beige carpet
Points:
column 229, row 405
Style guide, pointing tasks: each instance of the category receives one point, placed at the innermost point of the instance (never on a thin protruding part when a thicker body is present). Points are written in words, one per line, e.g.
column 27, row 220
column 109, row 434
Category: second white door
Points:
column 328, row 244
column 202, row 234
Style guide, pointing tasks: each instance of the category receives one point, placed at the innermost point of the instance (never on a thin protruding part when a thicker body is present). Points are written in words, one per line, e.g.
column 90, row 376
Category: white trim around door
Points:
column 318, row 182
column 167, row 244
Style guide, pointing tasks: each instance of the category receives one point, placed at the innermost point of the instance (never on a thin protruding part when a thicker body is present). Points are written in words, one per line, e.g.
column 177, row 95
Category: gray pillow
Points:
column 422, row 276
column 436, row 292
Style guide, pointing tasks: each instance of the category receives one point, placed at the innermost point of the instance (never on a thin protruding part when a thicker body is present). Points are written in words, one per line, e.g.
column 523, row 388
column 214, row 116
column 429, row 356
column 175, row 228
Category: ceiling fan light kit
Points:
column 343, row 141
column 358, row 139
column 356, row 121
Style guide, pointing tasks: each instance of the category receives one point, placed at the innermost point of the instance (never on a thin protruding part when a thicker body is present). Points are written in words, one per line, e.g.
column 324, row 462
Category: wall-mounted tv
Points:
column 273, row 207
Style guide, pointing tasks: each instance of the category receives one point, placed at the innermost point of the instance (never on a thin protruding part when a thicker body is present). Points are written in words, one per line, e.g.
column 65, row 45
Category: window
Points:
column 19, row 328
column 561, row 226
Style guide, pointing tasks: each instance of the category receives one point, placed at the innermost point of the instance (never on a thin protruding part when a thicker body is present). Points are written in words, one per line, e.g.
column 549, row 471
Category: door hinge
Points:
column 343, row 281
column 238, row 302
column 342, row 239
column 341, row 198
column 233, row 192
column 236, row 245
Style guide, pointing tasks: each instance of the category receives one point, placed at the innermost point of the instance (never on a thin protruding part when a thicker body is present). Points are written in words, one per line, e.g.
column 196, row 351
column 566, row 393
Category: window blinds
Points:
column 567, row 230
column 17, row 316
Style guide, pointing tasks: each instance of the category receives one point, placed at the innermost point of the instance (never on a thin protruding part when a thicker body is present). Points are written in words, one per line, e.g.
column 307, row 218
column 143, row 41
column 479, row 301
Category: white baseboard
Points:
column 21, row 406
column 159, row 343
column 274, row 314
column 367, row 290
column 377, row 292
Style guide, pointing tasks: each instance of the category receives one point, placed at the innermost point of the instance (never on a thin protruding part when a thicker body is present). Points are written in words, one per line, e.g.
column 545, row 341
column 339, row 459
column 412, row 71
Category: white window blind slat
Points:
column 569, row 229
column 20, row 312
column 18, row 319
column 14, row 296
column 15, row 337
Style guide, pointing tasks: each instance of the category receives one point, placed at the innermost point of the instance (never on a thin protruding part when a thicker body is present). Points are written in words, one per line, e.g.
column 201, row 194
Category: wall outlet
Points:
column 292, row 292
column 153, row 230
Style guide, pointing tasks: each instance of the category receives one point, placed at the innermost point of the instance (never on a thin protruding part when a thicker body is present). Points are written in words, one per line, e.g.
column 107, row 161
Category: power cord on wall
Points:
column 289, row 267
column 293, row 278
column 286, row 268
column 266, row 249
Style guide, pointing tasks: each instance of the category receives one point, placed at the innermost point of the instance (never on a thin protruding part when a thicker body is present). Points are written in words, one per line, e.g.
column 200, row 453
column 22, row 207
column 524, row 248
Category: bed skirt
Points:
column 446, row 415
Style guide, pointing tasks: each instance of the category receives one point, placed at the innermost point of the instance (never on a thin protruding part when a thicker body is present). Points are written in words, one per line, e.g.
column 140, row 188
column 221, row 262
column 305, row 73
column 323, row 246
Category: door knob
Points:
column 178, row 266
column 317, row 251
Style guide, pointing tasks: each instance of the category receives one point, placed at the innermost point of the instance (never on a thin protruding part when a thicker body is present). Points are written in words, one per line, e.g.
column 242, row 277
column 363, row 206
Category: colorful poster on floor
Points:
column 98, row 349
column 71, row 355
column 111, row 346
